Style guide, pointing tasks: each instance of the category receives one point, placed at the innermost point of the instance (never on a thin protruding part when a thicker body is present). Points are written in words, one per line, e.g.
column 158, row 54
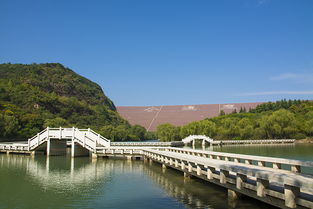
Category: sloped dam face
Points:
column 65, row 182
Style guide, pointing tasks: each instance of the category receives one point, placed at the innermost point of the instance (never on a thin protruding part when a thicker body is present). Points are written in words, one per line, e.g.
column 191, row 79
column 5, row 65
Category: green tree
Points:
column 138, row 131
column 168, row 132
column 56, row 122
column 150, row 135
column 11, row 125
column 207, row 128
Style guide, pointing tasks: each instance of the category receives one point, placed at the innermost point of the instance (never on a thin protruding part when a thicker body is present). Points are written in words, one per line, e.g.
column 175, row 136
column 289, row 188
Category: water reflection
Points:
column 195, row 193
column 63, row 182
column 44, row 171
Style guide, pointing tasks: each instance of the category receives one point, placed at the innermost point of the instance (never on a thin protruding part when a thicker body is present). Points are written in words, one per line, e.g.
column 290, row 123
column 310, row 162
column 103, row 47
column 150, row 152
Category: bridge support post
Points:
column 164, row 166
column 56, row 147
column 32, row 154
column 77, row 150
column 94, row 156
column 186, row 175
column 232, row 195
column 232, row 198
column 48, row 147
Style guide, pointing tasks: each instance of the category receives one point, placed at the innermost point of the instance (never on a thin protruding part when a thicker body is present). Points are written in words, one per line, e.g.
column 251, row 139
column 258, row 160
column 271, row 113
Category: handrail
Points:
column 261, row 160
column 88, row 141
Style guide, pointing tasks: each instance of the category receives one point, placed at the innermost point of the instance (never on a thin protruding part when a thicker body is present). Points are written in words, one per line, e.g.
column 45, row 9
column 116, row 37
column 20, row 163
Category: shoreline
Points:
column 304, row 141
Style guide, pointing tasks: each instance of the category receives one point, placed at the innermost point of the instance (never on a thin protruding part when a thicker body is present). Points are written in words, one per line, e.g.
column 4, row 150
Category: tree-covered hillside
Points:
column 281, row 119
column 35, row 96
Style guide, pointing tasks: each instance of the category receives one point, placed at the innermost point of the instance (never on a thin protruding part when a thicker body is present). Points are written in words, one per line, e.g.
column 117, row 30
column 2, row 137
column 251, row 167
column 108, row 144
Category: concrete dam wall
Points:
column 152, row 116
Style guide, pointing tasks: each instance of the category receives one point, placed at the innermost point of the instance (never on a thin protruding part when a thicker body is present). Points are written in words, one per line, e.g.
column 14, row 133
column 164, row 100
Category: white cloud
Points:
column 278, row 93
column 296, row 77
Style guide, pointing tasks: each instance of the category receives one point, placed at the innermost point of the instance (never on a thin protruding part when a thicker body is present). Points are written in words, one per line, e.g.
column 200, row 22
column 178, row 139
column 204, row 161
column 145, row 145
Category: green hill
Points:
column 35, row 96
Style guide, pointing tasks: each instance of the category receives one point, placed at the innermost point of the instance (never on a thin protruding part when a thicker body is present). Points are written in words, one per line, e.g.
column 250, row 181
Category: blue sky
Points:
column 168, row 52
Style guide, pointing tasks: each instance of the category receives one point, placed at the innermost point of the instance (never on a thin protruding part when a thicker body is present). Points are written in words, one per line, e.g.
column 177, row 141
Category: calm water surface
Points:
column 62, row 182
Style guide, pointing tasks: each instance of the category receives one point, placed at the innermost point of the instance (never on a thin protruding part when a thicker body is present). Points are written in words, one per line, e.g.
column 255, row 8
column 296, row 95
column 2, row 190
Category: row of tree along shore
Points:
column 283, row 119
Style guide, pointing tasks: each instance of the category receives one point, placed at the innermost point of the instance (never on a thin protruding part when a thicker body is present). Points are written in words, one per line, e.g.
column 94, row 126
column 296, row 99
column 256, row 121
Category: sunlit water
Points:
column 62, row 182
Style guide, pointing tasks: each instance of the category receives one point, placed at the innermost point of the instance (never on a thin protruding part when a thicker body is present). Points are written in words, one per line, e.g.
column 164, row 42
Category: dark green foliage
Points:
column 168, row 132
column 272, row 106
column 35, row 96
column 282, row 119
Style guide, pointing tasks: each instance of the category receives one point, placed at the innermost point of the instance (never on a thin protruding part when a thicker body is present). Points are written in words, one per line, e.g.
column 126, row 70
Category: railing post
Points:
column 189, row 167
column 84, row 140
column 261, row 186
column 73, row 143
column 296, row 168
column 60, row 137
column 210, row 171
column 223, row 176
column 48, row 132
column 248, row 162
column 182, row 164
column 276, row 165
column 240, row 180
column 291, row 193
column 199, row 170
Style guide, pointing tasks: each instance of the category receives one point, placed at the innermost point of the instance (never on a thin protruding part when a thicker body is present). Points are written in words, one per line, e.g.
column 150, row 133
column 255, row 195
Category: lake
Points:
column 64, row 182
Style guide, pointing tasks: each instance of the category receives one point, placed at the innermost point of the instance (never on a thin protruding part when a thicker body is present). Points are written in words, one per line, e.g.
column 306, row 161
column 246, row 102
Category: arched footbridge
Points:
column 192, row 139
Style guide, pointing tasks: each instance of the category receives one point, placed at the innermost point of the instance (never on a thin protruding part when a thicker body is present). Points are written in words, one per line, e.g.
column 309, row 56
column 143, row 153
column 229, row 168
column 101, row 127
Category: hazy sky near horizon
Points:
column 169, row 52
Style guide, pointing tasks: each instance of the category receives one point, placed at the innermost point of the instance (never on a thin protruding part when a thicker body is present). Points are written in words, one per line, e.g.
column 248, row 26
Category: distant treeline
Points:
column 272, row 120
column 33, row 97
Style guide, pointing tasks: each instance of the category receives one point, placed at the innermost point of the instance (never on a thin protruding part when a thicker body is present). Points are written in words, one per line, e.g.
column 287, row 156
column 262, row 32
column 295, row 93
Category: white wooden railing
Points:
column 87, row 138
column 261, row 161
